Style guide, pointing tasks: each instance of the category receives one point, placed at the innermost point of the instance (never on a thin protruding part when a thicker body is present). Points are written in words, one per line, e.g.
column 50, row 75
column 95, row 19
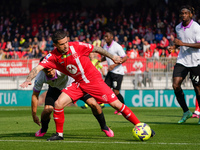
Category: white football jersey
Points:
column 115, row 49
column 189, row 57
column 60, row 81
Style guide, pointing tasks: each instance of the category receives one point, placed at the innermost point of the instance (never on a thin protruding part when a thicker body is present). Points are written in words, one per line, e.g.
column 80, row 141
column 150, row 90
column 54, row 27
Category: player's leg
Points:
column 68, row 95
column 115, row 81
column 196, row 113
column 51, row 97
column 62, row 101
column 98, row 113
column 179, row 74
column 127, row 113
column 194, row 76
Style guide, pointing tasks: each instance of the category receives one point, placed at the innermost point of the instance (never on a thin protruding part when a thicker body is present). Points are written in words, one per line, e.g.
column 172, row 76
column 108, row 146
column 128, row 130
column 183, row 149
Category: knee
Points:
column 176, row 87
column 48, row 109
column 58, row 105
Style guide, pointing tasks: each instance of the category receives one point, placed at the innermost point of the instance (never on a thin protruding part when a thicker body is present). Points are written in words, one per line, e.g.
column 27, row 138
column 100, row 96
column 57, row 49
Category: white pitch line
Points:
column 92, row 142
column 14, row 109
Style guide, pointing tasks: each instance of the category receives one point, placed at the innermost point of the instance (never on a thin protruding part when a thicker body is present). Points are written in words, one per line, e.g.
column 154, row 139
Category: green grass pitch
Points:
column 82, row 131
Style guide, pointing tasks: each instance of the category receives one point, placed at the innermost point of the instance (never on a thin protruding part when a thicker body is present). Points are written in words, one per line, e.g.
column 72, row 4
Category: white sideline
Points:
column 91, row 142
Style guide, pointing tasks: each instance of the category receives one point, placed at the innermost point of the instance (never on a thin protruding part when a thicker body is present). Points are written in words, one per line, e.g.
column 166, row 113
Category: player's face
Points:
column 185, row 15
column 62, row 45
column 50, row 73
column 108, row 37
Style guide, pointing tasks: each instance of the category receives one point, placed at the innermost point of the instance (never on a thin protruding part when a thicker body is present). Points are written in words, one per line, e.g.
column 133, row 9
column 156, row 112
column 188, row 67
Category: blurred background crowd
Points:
column 143, row 28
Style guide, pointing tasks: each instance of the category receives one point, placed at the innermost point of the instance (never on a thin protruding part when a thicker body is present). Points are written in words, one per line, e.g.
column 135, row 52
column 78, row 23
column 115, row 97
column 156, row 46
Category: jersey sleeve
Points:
column 38, row 84
column 85, row 48
column 49, row 61
column 120, row 51
column 198, row 34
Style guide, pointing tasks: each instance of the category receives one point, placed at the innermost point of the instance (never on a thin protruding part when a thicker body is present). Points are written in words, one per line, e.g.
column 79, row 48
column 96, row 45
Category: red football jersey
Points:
column 74, row 63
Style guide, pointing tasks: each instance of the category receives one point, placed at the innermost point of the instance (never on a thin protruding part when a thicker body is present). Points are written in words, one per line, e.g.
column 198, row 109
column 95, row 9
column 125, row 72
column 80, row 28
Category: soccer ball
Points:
column 141, row 131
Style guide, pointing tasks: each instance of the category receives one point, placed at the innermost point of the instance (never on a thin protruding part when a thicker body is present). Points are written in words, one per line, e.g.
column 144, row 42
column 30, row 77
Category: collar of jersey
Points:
column 188, row 26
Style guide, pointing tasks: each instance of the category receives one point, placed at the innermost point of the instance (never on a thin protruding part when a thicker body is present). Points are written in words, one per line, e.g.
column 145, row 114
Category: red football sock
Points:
column 129, row 115
column 59, row 119
column 197, row 106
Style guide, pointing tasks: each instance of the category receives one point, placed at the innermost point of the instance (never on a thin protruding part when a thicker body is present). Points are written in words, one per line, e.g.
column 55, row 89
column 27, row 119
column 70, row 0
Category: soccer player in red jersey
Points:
column 72, row 59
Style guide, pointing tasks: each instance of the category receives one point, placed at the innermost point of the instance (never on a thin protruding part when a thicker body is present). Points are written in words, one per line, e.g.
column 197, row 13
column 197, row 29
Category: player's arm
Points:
column 34, row 103
column 116, row 59
column 180, row 43
column 111, row 67
column 31, row 75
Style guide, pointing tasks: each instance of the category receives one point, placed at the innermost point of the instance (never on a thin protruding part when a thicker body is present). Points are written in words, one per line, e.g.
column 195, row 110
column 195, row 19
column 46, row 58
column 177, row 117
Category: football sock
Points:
column 128, row 114
column 45, row 125
column 59, row 119
column 100, row 118
column 181, row 100
column 120, row 97
column 197, row 106
column 197, row 103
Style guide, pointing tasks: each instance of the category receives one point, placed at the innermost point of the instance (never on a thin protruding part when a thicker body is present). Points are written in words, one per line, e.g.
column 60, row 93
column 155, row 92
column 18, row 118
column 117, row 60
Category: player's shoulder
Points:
column 195, row 24
column 178, row 26
column 116, row 45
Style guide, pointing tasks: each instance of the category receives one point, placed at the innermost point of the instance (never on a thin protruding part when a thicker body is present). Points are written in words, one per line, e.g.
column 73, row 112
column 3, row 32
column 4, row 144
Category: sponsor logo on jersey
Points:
column 65, row 56
column 72, row 69
column 105, row 97
column 49, row 55
column 113, row 95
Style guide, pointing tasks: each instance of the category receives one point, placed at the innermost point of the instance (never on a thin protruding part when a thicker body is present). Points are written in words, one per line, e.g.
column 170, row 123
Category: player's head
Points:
column 186, row 13
column 108, row 36
column 60, row 41
column 50, row 73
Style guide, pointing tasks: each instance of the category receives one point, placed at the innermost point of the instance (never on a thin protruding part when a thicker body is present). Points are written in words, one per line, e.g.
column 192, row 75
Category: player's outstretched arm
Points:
column 34, row 103
column 31, row 75
column 116, row 59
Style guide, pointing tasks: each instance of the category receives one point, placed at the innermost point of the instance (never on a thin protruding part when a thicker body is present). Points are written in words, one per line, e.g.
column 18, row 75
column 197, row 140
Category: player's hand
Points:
column 178, row 42
column 36, row 119
column 25, row 84
column 117, row 59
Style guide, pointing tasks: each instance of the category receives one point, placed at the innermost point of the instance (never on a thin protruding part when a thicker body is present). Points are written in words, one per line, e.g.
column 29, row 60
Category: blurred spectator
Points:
column 148, row 53
column 156, row 54
column 88, row 40
column 125, row 42
column 2, row 44
column 133, row 53
column 81, row 37
column 163, row 53
column 130, row 47
column 2, row 54
column 164, row 43
column 171, row 40
column 146, row 46
column 49, row 44
column 97, row 42
column 136, row 41
column 149, row 36
column 35, row 42
column 138, row 77
column 42, row 44
column 8, row 46
column 147, row 77
column 158, row 36
column 15, row 44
